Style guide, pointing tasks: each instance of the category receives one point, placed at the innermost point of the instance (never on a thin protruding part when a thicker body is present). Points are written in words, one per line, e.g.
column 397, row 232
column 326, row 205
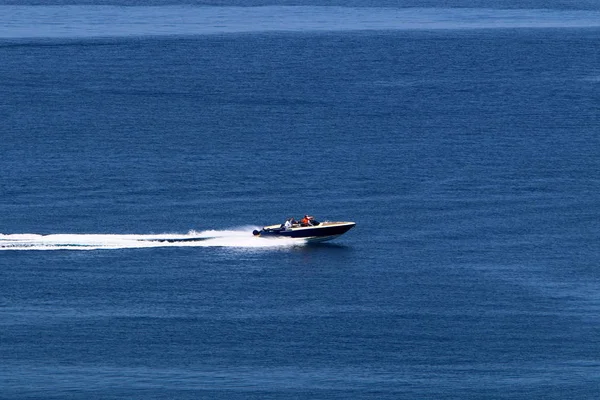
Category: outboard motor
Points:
column 256, row 233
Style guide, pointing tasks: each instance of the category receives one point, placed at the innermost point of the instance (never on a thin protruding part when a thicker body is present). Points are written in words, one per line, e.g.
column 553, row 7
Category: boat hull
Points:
column 323, row 232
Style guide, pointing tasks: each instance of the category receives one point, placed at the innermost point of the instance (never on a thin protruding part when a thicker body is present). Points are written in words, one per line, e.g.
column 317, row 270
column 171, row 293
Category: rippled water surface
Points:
column 111, row 20
column 467, row 156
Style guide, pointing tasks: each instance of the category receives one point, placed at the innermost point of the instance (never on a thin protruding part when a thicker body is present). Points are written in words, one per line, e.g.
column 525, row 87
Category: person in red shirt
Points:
column 307, row 220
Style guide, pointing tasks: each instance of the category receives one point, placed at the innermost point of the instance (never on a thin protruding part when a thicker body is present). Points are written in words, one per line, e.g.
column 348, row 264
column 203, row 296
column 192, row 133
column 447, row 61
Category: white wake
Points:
column 241, row 237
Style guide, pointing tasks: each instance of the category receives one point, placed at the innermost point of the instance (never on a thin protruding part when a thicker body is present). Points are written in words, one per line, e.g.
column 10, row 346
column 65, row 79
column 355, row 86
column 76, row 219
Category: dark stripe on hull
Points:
column 315, row 232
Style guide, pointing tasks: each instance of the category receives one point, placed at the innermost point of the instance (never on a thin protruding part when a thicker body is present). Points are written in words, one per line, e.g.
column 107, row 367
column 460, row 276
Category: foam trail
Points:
column 240, row 238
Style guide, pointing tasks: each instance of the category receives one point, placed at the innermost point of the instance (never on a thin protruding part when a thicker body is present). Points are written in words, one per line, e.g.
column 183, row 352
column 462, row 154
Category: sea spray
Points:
column 241, row 238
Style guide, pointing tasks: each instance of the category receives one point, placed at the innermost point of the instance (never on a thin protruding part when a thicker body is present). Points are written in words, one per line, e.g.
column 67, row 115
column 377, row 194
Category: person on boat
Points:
column 289, row 223
column 307, row 221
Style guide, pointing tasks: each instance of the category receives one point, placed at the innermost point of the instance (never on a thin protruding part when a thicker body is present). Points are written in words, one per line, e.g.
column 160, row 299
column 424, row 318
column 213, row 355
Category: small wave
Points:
column 241, row 238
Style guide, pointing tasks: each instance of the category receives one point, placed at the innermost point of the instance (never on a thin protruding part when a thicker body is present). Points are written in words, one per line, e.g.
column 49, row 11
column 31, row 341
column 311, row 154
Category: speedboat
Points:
column 318, row 232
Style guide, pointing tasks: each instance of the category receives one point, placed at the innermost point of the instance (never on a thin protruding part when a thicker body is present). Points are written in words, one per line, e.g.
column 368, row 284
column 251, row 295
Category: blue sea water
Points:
column 463, row 138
